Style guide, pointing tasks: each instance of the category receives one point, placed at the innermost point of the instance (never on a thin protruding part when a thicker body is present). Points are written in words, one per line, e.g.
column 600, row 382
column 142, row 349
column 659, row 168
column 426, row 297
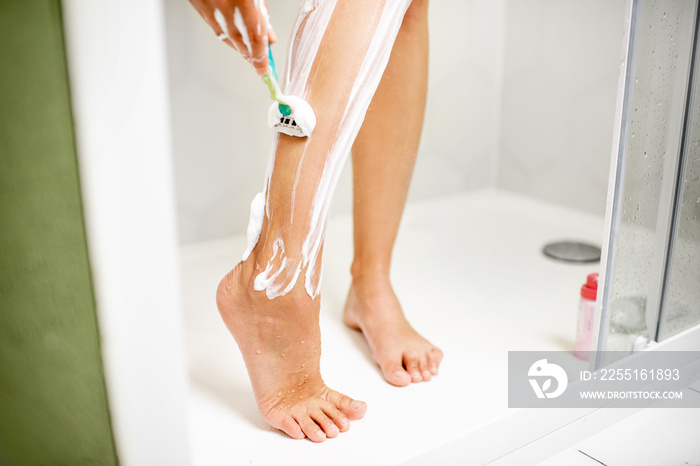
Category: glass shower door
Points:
column 652, row 262
column 680, row 309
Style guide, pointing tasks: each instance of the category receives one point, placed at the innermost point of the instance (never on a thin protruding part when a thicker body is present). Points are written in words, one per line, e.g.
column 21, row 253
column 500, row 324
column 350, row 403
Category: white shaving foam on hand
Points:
column 263, row 10
column 242, row 29
column 285, row 267
column 221, row 21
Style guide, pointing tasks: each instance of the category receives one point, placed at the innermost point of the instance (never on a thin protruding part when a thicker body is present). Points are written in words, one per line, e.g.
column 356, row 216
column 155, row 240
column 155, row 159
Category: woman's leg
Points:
column 383, row 157
column 270, row 301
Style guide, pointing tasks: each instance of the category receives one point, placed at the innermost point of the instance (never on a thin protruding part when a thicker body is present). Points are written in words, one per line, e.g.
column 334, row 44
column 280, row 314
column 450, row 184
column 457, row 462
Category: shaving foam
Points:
column 242, row 29
column 221, row 21
column 301, row 110
column 257, row 214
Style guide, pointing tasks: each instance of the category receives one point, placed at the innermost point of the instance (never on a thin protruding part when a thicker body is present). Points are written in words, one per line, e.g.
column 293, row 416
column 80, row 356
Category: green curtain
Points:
column 53, row 400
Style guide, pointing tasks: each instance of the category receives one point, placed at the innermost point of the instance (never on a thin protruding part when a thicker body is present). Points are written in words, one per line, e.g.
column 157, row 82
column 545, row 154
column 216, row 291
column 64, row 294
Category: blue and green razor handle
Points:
column 270, row 79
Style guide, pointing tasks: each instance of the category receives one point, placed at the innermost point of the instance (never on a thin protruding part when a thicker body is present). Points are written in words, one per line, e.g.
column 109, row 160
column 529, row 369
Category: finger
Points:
column 230, row 33
column 271, row 36
column 228, row 41
column 253, row 28
column 217, row 22
column 240, row 46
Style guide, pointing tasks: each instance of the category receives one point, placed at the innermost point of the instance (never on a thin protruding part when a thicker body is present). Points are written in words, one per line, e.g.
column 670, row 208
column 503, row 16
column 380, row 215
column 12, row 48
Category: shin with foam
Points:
column 339, row 51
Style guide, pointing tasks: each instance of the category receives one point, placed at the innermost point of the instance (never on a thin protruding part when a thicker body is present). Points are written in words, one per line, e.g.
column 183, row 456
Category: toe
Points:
column 289, row 426
column 326, row 423
column 437, row 354
column 425, row 368
column 434, row 358
column 411, row 362
column 433, row 366
column 311, row 429
column 398, row 377
column 339, row 419
column 395, row 374
column 353, row 409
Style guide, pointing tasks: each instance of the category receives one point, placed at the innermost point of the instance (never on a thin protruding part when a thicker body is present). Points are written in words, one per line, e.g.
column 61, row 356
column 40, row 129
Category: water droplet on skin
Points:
column 303, row 364
column 258, row 351
column 302, row 342
column 279, row 394
column 279, row 336
column 292, row 391
column 282, row 354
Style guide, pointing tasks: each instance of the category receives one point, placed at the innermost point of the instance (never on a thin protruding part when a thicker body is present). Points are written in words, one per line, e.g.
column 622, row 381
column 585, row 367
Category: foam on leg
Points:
column 355, row 39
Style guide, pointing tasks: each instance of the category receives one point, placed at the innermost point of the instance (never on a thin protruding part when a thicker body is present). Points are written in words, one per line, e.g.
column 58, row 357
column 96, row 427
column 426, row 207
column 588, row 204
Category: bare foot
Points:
column 281, row 344
column 403, row 355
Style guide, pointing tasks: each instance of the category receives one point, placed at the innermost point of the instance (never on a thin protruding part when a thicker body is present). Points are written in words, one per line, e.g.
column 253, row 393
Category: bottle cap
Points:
column 590, row 289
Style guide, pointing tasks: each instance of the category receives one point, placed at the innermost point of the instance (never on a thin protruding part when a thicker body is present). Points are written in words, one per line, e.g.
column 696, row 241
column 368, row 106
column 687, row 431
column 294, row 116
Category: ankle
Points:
column 296, row 297
column 364, row 272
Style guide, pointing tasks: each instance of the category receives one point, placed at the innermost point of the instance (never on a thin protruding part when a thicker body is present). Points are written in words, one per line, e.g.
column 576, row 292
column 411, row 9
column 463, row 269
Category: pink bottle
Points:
column 586, row 312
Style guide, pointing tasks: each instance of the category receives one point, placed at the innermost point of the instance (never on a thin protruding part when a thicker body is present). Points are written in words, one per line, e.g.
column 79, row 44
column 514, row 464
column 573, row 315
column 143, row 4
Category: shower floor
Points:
column 470, row 275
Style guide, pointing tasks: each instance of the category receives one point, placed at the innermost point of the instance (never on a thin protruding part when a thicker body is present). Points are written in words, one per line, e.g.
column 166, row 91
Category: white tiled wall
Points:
column 521, row 97
column 559, row 90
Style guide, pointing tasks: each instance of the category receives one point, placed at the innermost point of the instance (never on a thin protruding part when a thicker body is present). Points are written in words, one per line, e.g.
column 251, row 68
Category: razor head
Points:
column 288, row 126
column 298, row 123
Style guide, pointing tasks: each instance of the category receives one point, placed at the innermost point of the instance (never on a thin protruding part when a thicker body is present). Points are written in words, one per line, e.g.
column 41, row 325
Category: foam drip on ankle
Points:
column 257, row 214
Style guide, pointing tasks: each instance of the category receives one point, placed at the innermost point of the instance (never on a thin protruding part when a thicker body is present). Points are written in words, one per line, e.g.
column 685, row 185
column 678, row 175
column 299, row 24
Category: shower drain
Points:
column 572, row 251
